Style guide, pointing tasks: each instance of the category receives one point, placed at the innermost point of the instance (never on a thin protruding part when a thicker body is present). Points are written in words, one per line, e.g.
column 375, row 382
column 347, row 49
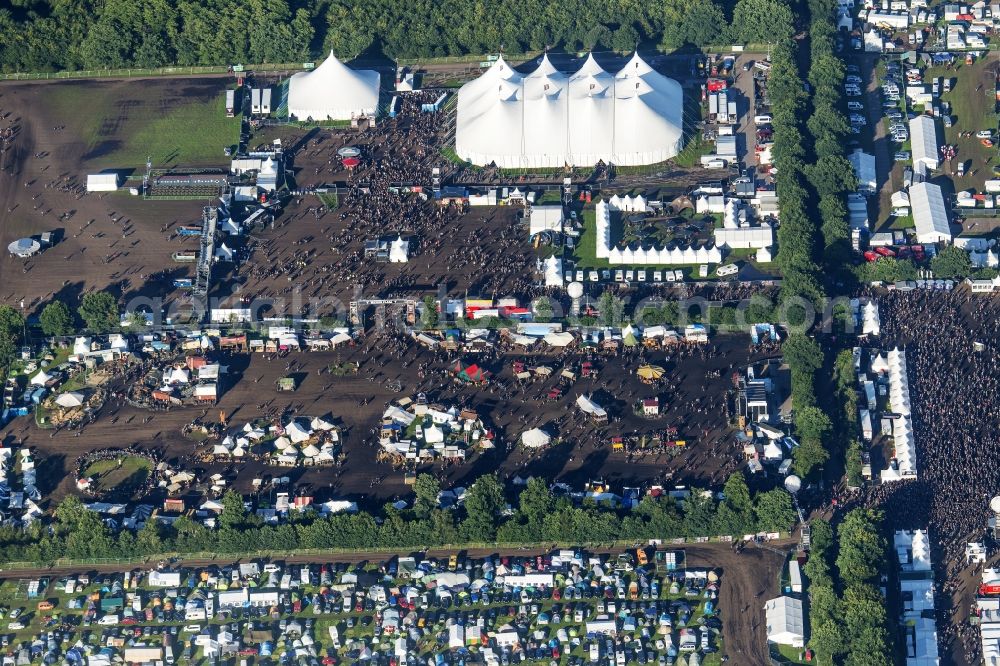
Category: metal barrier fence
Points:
column 146, row 72
column 319, row 552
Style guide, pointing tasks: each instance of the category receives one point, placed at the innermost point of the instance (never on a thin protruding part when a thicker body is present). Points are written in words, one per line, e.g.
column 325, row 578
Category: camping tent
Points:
column 333, row 91
column 535, row 438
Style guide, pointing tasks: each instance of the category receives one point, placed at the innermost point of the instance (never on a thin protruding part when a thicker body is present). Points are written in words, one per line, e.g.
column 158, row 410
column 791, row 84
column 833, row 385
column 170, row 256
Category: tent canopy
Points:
column 550, row 119
column 333, row 91
column 70, row 399
column 535, row 438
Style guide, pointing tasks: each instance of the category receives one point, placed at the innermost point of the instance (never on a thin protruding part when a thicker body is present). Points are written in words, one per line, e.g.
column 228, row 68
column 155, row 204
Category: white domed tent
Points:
column 549, row 119
column 333, row 91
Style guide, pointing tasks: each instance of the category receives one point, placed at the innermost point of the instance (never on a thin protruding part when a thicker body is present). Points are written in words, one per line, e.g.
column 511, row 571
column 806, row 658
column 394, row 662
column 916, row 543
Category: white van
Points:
column 109, row 619
column 762, row 119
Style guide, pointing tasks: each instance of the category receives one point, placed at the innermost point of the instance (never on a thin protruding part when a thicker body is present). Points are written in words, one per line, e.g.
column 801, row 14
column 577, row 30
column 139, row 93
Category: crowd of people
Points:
column 952, row 344
column 386, row 196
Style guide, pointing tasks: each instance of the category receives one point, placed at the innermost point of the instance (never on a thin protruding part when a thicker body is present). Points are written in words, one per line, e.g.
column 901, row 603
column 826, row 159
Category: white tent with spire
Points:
column 333, row 91
column 553, row 272
column 535, row 438
column 550, row 119
column 297, row 432
column 41, row 378
column 399, row 251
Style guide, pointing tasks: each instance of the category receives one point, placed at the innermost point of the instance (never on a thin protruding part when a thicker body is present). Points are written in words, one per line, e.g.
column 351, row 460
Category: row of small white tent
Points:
column 902, row 429
column 672, row 256
column 870, row 321
column 628, row 203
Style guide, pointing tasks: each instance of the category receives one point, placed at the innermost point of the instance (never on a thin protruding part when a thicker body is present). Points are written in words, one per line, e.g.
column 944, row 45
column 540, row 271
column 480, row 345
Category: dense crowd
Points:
column 386, row 196
column 954, row 393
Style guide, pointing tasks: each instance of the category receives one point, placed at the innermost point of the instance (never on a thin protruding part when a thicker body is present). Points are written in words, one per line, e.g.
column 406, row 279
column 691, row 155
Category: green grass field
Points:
column 972, row 107
column 121, row 133
column 109, row 475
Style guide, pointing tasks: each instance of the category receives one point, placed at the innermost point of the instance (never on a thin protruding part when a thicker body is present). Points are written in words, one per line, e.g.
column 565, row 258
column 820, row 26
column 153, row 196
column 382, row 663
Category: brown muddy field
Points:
column 694, row 404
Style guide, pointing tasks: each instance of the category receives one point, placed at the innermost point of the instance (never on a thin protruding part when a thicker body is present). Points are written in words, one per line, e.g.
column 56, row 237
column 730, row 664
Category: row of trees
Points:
column 847, row 612
column 98, row 311
column 539, row 516
column 45, row 35
column 831, row 175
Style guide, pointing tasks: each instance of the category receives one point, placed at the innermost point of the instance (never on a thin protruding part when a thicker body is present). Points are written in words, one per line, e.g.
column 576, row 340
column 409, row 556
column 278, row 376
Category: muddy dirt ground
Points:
column 694, row 403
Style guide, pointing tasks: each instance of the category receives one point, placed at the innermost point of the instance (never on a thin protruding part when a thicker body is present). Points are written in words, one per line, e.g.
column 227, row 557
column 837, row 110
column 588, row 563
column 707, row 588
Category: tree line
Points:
column 847, row 612
column 538, row 516
column 54, row 35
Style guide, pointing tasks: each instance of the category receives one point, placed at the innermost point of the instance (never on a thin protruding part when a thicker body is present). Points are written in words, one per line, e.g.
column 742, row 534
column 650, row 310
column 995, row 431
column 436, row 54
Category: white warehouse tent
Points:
column 924, row 143
column 333, row 91
column 550, row 119
column 784, row 619
column 102, row 182
column 929, row 213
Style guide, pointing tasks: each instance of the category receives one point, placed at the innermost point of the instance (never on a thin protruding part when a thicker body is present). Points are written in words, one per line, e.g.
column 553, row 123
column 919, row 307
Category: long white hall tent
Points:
column 333, row 91
column 551, row 119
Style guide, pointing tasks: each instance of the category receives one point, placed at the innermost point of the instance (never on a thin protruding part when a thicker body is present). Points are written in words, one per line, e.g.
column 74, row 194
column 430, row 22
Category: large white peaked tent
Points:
column 550, row 119
column 333, row 91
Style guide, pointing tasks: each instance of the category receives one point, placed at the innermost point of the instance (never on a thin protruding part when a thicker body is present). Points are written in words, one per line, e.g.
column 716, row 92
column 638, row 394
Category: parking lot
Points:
column 645, row 606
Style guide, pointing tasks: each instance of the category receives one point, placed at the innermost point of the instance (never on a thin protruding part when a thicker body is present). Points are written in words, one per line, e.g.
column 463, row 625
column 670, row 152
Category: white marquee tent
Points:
column 785, row 624
column 333, row 91
column 930, row 216
column 551, row 119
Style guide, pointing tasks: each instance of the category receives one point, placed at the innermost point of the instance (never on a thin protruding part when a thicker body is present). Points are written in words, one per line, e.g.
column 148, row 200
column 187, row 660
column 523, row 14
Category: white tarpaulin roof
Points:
column 923, row 142
column 929, row 213
column 333, row 91
column 102, row 182
column 588, row 406
column 550, row 119
column 559, row 339
column 545, row 218
column 535, row 438
column 320, row 424
column 71, row 399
